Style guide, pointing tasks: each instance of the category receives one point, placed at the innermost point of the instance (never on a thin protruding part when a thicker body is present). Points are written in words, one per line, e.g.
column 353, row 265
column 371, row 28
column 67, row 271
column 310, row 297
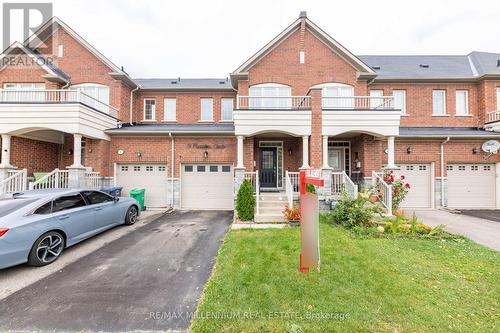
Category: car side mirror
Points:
column 116, row 199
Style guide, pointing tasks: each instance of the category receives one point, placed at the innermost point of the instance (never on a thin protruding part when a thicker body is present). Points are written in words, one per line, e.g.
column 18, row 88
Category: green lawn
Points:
column 365, row 285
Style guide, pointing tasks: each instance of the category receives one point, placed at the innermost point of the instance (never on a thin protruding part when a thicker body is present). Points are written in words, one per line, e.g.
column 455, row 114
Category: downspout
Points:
column 442, row 170
column 132, row 103
column 172, row 170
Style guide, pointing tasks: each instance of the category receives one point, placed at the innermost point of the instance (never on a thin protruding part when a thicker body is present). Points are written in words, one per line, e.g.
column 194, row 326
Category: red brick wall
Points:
column 281, row 65
column 419, row 104
column 188, row 105
column 187, row 149
column 36, row 156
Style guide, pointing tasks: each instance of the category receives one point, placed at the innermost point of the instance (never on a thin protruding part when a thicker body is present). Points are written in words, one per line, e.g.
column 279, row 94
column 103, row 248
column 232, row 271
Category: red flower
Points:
column 407, row 185
column 395, row 191
column 402, row 177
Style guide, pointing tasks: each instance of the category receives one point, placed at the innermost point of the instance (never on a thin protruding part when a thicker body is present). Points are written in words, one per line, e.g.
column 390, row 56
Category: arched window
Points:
column 270, row 95
column 337, row 95
column 95, row 90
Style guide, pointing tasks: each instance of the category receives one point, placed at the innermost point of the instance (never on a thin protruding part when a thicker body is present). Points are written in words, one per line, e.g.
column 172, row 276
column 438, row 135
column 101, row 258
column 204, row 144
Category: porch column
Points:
column 239, row 170
column 5, row 151
column 326, row 173
column 390, row 153
column 77, row 151
column 76, row 172
column 305, row 152
column 5, row 165
column 325, row 152
column 239, row 163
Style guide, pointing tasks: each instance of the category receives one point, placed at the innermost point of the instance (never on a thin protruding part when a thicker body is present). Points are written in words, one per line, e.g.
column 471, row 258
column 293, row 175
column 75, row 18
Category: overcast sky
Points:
column 160, row 38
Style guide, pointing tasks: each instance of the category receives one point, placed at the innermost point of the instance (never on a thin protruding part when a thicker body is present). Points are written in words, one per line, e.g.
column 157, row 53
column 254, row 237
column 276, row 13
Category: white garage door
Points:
column 419, row 178
column 207, row 186
column 152, row 177
column 471, row 185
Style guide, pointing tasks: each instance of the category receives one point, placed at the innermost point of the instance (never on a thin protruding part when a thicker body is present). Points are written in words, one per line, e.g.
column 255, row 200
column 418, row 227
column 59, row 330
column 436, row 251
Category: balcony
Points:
column 260, row 114
column 493, row 121
column 273, row 103
column 363, row 114
column 68, row 111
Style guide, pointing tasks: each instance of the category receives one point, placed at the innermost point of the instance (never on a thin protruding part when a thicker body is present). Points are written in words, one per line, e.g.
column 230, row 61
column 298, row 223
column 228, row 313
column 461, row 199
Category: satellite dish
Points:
column 491, row 146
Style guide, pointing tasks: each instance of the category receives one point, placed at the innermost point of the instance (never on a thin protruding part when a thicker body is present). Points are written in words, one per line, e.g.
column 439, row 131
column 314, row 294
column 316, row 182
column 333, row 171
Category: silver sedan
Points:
column 36, row 226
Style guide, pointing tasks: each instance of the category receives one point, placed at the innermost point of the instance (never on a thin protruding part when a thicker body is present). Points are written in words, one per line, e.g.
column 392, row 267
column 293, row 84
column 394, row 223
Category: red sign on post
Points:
column 309, row 223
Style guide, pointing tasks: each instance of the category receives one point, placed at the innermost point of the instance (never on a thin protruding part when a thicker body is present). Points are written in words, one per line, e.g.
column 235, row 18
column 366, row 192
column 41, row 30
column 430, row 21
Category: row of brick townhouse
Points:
column 302, row 101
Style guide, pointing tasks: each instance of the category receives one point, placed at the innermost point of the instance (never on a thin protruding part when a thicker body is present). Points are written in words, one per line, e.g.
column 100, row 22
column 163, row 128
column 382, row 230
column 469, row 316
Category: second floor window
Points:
column 400, row 100
column 207, row 109
column 337, row 95
column 226, row 109
column 377, row 100
column 149, row 109
column 462, row 102
column 438, row 103
column 270, row 95
column 169, row 109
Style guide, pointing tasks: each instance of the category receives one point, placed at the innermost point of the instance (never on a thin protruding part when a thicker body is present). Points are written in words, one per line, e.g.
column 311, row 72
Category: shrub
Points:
column 245, row 202
column 352, row 212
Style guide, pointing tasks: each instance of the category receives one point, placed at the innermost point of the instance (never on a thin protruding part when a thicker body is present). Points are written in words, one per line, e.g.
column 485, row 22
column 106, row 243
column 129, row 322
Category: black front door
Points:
column 267, row 173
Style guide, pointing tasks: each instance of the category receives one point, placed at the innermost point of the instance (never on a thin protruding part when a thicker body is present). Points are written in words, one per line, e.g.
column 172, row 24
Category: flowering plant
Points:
column 400, row 188
column 292, row 213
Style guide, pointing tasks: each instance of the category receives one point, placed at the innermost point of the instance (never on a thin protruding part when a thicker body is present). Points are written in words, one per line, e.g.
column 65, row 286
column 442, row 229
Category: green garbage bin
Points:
column 138, row 194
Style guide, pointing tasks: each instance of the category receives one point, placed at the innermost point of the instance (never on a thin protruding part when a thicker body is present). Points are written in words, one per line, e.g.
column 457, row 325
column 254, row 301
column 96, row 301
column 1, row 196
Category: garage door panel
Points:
column 207, row 186
column 471, row 185
column 152, row 177
column 419, row 178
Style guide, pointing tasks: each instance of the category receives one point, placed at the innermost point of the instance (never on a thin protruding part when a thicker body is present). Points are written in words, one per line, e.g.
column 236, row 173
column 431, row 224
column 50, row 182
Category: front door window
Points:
column 335, row 160
column 268, row 167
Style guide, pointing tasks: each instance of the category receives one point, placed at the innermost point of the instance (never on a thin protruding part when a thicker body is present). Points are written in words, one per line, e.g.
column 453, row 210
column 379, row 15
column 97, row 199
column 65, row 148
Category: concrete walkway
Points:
column 482, row 231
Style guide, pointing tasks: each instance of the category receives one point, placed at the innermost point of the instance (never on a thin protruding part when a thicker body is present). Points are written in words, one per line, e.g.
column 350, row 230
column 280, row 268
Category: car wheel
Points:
column 131, row 216
column 47, row 248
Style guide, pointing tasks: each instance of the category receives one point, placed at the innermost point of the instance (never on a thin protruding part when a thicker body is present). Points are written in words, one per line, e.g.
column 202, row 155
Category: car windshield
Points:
column 8, row 206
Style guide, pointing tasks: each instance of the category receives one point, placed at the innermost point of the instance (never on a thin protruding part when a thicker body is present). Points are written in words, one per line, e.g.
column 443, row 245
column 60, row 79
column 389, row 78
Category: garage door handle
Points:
column 63, row 217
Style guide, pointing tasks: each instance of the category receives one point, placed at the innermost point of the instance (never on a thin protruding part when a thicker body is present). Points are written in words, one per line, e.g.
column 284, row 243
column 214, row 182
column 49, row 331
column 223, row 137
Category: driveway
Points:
column 148, row 280
column 487, row 214
column 482, row 231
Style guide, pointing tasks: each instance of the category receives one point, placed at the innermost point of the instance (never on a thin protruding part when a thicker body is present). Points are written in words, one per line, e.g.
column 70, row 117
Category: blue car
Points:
column 36, row 226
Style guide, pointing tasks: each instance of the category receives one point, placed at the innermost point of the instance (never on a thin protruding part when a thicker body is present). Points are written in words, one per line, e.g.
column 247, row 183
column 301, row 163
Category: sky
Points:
column 211, row 38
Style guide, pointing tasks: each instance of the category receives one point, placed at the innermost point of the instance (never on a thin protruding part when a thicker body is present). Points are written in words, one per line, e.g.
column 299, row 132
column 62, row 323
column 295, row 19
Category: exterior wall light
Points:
column 409, row 150
column 475, row 150
column 70, row 152
column 139, row 154
column 205, row 154
column 290, row 151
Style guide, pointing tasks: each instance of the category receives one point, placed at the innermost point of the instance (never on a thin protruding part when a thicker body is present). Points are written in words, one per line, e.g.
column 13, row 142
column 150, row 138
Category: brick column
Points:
column 316, row 150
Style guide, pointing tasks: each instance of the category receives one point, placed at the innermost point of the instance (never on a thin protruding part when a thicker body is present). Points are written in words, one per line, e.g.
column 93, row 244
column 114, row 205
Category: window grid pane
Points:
column 227, row 109
column 462, row 108
column 400, row 100
column 438, row 103
column 206, row 109
column 149, row 109
column 169, row 109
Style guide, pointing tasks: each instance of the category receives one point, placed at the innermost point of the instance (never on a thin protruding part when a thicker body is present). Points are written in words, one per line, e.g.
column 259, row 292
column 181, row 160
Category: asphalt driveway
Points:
column 487, row 214
column 482, row 231
column 148, row 280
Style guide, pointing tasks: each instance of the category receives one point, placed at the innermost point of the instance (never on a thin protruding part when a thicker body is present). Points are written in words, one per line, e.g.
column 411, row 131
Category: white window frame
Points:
column 376, row 102
column 336, row 90
column 207, row 99
column 443, row 93
column 153, row 109
column 24, row 86
column 403, row 101
column 226, row 100
column 94, row 90
column 466, row 94
column 276, row 92
column 166, row 110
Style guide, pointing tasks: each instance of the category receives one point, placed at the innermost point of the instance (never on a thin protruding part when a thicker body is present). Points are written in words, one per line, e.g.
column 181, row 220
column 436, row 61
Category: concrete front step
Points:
column 269, row 218
column 271, row 210
column 272, row 203
column 272, row 197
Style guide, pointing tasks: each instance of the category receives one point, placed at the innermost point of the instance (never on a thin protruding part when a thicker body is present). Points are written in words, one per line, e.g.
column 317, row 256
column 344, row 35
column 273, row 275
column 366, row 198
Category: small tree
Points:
column 245, row 202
